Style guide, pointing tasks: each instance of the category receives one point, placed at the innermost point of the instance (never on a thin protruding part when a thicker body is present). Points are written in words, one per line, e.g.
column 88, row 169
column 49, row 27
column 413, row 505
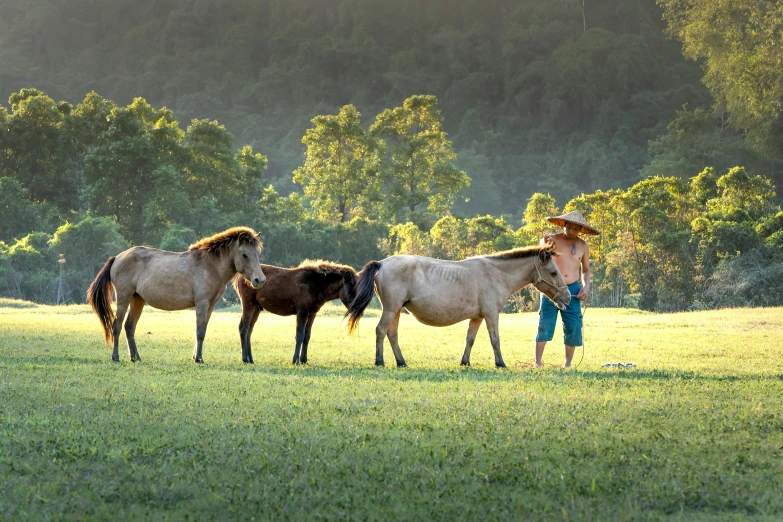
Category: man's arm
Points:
column 585, row 274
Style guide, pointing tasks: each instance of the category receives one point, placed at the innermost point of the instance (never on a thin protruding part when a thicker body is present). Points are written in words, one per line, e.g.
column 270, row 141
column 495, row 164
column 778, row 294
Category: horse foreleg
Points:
column 306, row 341
column 391, row 333
column 494, row 337
column 470, row 339
column 249, row 316
column 203, row 313
column 122, row 309
column 136, row 307
column 249, row 333
column 380, row 333
column 301, row 324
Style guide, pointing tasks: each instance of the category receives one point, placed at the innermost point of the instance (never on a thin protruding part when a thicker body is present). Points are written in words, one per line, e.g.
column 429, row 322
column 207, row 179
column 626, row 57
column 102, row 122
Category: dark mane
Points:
column 325, row 267
column 222, row 241
column 544, row 251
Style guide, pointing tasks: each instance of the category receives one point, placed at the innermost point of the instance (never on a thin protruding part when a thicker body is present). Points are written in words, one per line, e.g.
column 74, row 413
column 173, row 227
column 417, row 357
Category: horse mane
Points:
column 325, row 267
column 222, row 241
column 544, row 251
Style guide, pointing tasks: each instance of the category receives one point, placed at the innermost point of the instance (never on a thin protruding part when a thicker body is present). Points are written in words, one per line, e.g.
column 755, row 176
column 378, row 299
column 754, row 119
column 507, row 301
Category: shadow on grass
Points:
column 400, row 374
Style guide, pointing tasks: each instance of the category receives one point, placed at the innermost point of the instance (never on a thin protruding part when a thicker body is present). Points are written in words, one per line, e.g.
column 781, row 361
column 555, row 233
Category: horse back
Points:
column 282, row 294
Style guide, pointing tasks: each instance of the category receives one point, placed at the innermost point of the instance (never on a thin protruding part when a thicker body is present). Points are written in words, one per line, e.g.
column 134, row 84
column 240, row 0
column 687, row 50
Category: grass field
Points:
column 694, row 432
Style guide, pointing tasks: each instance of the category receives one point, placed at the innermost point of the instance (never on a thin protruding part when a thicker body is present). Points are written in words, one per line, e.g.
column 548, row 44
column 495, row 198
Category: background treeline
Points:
column 586, row 103
column 559, row 97
column 82, row 183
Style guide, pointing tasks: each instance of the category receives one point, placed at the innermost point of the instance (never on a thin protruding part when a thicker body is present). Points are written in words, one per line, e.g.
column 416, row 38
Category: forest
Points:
column 350, row 130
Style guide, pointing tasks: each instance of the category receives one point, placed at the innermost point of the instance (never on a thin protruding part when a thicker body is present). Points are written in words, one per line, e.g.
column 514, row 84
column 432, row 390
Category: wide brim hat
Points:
column 575, row 218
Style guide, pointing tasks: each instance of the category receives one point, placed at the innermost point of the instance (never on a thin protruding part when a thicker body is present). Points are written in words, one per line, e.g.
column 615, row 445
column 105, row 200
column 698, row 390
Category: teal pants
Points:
column 572, row 318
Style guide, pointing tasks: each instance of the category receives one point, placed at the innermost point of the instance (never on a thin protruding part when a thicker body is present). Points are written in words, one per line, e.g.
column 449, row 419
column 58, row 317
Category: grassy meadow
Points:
column 694, row 432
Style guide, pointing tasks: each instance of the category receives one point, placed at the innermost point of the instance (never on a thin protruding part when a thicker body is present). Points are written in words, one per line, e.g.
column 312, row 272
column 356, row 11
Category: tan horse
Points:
column 442, row 293
column 173, row 281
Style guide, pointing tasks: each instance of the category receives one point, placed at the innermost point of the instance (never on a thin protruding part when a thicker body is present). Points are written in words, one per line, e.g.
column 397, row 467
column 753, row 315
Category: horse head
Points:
column 548, row 279
column 247, row 263
column 348, row 290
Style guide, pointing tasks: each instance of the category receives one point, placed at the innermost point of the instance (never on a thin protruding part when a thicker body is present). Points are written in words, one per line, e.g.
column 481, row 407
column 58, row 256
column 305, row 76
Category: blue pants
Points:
column 572, row 318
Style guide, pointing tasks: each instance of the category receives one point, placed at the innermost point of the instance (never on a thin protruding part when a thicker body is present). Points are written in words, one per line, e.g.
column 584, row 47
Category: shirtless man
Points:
column 574, row 255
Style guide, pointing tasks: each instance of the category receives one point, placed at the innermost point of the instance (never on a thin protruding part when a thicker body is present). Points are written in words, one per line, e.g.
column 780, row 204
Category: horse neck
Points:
column 224, row 265
column 516, row 273
column 332, row 290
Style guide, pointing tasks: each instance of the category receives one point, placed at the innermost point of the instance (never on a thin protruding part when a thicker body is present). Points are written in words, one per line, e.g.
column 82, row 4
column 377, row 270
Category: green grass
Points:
column 694, row 432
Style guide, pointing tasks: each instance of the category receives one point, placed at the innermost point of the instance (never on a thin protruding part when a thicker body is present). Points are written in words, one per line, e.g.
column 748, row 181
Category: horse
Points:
column 173, row 281
column 302, row 291
column 442, row 293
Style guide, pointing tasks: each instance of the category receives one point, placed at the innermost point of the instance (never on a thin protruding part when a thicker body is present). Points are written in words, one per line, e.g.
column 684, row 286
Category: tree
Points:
column 534, row 222
column 84, row 248
column 121, row 168
column 18, row 216
column 658, row 259
column 740, row 46
column 213, row 168
column 35, row 151
column 340, row 173
column 421, row 178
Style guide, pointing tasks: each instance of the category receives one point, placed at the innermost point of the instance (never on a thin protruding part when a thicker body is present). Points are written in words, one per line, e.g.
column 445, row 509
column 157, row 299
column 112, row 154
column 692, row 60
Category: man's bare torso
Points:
column 571, row 251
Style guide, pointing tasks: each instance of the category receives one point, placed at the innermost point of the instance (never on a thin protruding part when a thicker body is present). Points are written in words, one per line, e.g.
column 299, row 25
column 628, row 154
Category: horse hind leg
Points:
column 122, row 309
column 136, row 307
column 391, row 333
column 494, row 337
column 470, row 339
column 387, row 317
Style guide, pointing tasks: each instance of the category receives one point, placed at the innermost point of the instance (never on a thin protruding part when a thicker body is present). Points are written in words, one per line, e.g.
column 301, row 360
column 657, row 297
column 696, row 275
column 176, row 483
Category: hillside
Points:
column 536, row 96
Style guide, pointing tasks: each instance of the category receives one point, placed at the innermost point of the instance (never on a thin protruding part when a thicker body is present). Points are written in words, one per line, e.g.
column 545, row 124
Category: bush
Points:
column 85, row 247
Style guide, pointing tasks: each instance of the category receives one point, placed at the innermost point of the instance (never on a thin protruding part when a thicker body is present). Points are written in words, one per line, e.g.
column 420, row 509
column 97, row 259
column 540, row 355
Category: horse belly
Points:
column 436, row 314
column 165, row 298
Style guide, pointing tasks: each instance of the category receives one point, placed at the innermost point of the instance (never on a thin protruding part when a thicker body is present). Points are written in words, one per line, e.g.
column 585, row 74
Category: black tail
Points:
column 99, row 297
column 364, row 293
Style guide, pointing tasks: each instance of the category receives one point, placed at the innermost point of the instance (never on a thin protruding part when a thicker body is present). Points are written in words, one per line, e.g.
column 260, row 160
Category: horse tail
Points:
column 99, row 297
column 364, row 292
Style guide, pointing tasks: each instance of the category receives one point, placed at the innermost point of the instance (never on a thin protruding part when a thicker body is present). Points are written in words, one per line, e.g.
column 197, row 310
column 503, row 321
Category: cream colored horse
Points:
column 442, row 293
column 173, row 281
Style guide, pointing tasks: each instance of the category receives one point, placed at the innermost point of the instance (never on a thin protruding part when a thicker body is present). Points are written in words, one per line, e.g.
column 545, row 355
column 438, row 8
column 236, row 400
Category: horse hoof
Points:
column 500, row 365
column 198, row 361
column 464, row 363
column 379, row 363
column 303, row 361
column 115, row 359
column 402, row 365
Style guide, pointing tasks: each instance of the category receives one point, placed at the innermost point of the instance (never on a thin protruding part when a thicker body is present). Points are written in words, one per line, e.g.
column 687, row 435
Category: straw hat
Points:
column 575, row 218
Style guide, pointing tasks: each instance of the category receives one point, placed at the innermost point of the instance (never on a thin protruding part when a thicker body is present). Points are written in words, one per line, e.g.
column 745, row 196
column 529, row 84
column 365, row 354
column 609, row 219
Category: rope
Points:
column 531, row 363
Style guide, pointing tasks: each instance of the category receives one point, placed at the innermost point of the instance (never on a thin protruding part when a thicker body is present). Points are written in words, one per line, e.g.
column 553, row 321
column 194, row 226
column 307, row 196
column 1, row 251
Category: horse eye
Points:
column 554, row 274
column 244, row 255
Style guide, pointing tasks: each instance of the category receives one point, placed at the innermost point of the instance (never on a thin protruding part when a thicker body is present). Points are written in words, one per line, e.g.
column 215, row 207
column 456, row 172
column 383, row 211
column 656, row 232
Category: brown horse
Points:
column 442, row 293
column 288, row 291
column 173, row 281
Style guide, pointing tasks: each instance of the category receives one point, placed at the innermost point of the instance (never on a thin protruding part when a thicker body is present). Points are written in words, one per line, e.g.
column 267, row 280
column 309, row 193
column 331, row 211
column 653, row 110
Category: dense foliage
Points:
column 544, row 102
column 560, row 97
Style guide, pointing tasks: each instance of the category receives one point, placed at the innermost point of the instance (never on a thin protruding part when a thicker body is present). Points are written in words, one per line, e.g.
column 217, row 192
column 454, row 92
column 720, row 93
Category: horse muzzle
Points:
column 562, row 301
column 258, row 282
